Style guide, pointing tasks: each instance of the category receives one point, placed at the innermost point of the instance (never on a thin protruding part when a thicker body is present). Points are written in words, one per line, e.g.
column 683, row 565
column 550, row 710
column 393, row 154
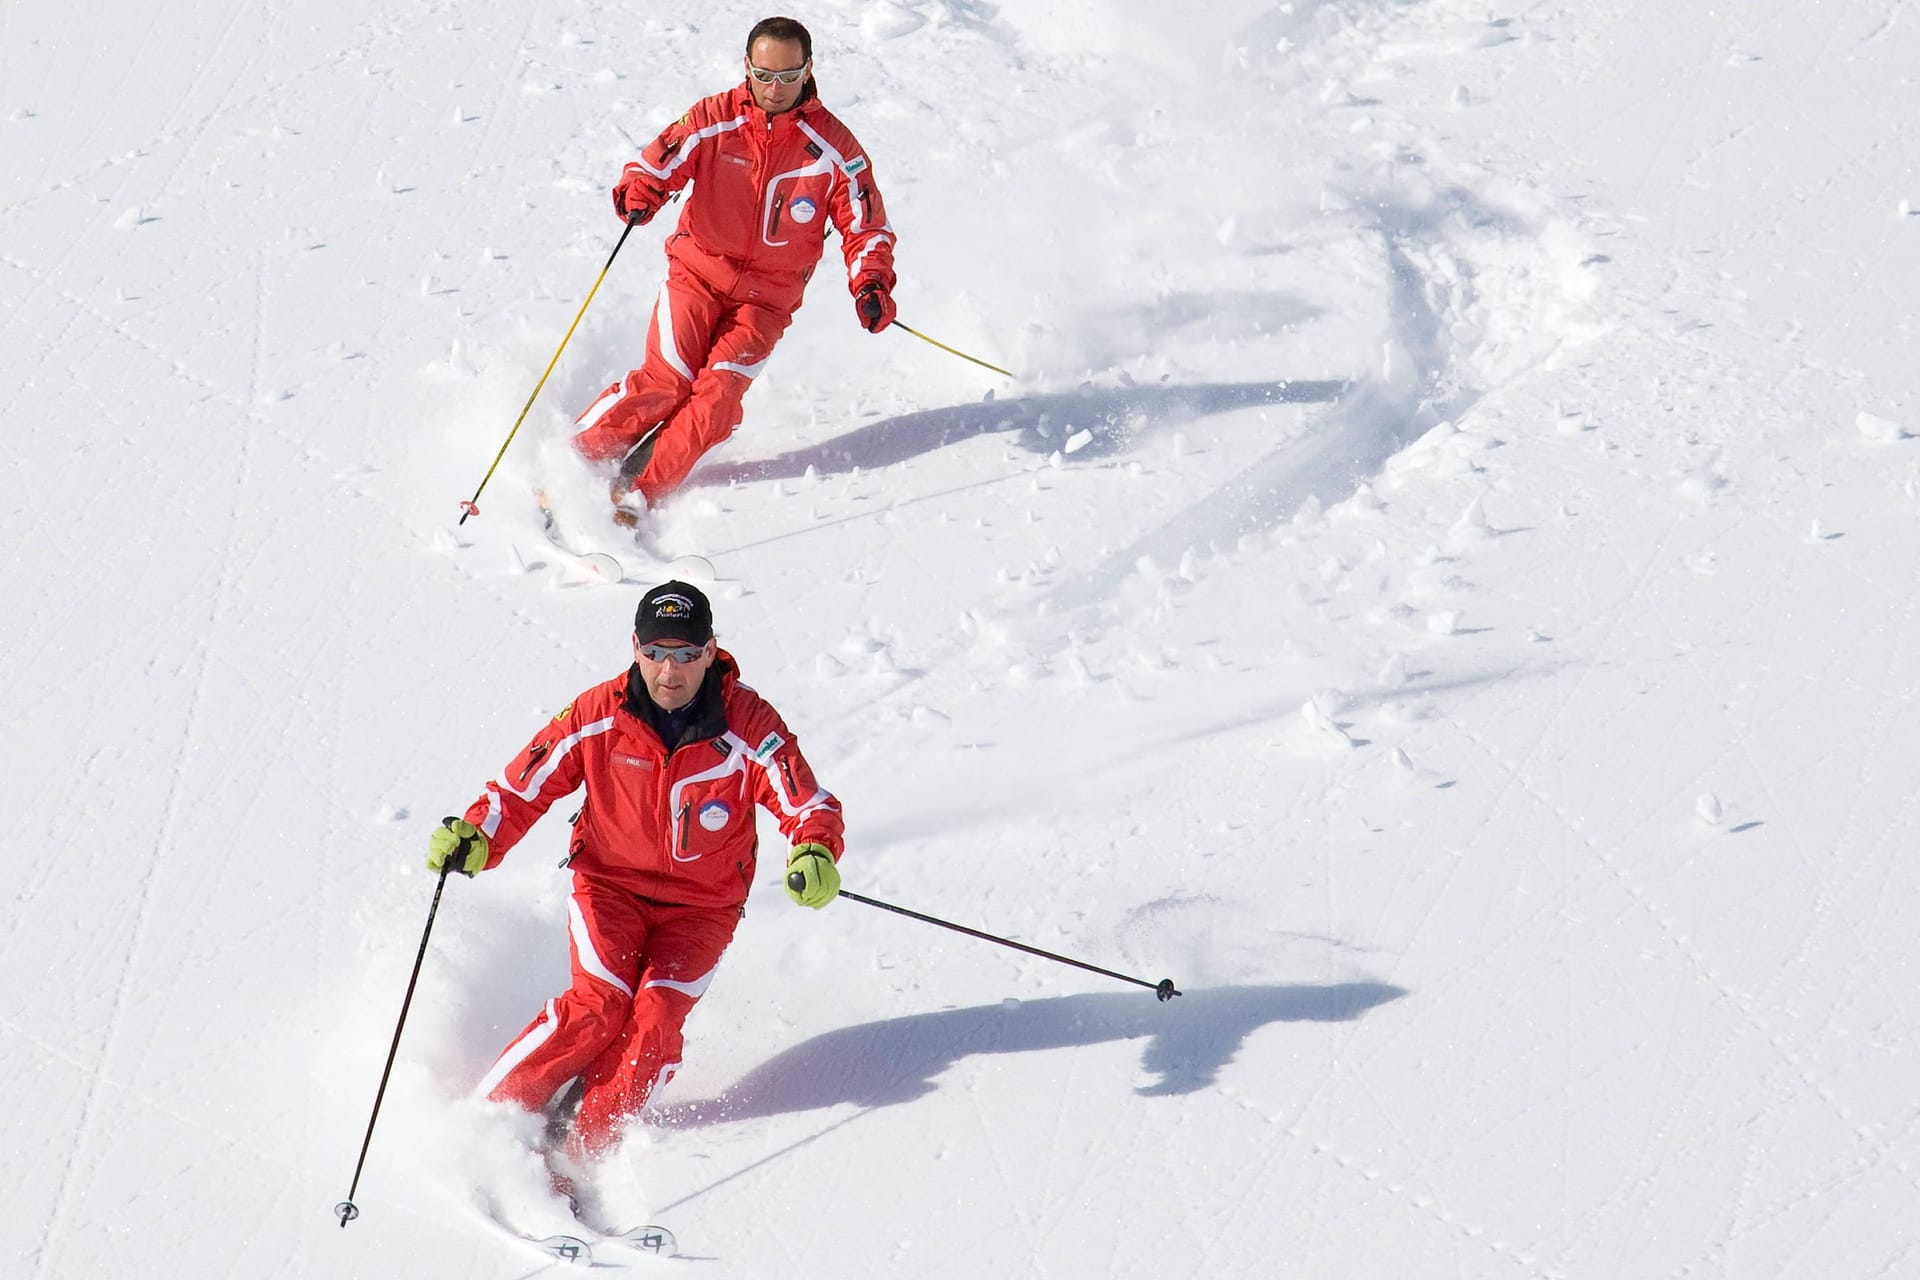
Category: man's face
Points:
column 769, row 54
column 672, row 683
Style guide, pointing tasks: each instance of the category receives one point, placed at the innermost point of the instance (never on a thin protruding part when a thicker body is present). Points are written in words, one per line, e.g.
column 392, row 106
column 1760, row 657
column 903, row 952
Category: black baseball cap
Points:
column 673, row 611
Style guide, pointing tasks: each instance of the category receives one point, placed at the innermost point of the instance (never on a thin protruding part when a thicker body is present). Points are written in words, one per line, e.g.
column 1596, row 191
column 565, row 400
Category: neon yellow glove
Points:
column 460, row 843
column 812, row 879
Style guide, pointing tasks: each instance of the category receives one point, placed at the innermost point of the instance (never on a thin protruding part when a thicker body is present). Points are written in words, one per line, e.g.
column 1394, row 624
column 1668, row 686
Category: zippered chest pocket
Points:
column 798, row 208
column 711, row 810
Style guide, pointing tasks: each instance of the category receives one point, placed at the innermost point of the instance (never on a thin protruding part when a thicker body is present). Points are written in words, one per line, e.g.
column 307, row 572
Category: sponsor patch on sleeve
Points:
column 564, row 713
column 768, row 745
column 855, row 166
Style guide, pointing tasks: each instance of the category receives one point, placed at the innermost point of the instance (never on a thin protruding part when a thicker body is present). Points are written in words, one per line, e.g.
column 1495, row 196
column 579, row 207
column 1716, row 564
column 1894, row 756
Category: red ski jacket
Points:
column 765, row 189
column 670, row 826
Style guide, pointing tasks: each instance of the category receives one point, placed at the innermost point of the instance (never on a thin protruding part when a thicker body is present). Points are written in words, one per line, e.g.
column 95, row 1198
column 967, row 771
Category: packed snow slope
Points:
column 1440, row 587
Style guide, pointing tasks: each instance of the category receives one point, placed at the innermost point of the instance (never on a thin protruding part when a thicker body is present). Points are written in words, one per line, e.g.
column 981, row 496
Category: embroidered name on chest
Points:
column 632, row 762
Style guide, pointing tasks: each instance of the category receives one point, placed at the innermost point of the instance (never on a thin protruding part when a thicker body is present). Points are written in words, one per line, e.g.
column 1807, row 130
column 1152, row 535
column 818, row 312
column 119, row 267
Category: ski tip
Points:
column 653, row 1240
column 697, row 569
column 563, row 1248
column 571, row 1249
column 603, row 566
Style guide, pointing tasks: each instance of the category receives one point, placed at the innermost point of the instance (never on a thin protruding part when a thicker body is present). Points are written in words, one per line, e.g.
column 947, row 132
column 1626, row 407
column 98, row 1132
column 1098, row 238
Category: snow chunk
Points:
column 457, row 364
column 889, row 21
column 1701, row 483
column 1709, row 808
column 1363, row 502
column 1874, row 427
column 1570, row 420
column 1472, row 525
column 1321, row 724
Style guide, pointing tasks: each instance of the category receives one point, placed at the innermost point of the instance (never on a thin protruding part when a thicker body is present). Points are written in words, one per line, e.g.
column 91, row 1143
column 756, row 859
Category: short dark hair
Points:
column 781, row 29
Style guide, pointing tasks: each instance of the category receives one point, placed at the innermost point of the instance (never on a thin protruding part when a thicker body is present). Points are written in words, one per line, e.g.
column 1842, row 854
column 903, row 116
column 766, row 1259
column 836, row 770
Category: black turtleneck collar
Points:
column 704, row 717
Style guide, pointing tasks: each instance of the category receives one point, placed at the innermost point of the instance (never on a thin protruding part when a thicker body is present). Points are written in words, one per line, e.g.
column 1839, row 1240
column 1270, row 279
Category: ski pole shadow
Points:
column 881, row 1064
column 1114, row 418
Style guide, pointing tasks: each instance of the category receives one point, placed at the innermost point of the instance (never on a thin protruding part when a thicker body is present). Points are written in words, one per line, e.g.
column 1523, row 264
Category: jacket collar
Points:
column 809, row 98
column 706, row 714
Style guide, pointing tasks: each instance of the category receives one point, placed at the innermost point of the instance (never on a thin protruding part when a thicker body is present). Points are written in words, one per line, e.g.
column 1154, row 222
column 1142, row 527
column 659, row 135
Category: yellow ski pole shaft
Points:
column 471, row 506
column 951, row 351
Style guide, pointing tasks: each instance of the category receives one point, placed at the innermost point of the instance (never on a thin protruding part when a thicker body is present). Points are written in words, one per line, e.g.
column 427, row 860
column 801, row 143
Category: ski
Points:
column 650, row 1240
column 569, row 1249
column 653, row 1240
column 690, row 568
column 564, row 1248
column 609, row 568
column 598, row 564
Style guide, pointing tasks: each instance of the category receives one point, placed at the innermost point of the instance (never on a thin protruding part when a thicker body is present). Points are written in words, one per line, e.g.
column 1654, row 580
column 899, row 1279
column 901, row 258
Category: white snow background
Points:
column 1441, row 587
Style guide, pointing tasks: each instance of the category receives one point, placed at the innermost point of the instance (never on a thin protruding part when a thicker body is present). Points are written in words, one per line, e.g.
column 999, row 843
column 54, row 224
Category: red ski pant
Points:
column 703, row 352
column 638, row 969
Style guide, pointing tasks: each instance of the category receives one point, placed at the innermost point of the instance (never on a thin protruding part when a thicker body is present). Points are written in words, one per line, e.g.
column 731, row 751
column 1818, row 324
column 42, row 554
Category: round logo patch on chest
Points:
column 714, row 815
column 803, row 210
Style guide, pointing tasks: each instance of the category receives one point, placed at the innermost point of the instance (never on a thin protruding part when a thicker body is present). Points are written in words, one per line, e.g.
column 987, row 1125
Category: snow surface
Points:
column 1441, row 588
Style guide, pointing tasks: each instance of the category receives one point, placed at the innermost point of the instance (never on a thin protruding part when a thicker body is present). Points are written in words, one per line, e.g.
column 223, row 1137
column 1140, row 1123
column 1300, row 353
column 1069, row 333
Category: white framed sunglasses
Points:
column 784, row 77
column 678, row 653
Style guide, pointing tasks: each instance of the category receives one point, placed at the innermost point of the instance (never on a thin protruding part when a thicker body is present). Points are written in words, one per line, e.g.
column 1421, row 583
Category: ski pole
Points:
column 951, row 350
column 1163, row 989
column 347, row 1210
column 471, row 506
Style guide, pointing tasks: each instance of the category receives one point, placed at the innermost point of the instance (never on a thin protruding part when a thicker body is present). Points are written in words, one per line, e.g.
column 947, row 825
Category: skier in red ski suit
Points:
column 674, row 755
column 771, row 167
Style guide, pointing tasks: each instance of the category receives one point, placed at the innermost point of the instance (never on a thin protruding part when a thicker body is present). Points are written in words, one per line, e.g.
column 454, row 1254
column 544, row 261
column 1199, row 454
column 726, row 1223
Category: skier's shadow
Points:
column 1113, row 418
column 878, row 1064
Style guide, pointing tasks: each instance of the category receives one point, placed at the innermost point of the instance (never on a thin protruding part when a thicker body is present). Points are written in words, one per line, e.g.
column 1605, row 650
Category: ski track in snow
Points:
column 1438, row 588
